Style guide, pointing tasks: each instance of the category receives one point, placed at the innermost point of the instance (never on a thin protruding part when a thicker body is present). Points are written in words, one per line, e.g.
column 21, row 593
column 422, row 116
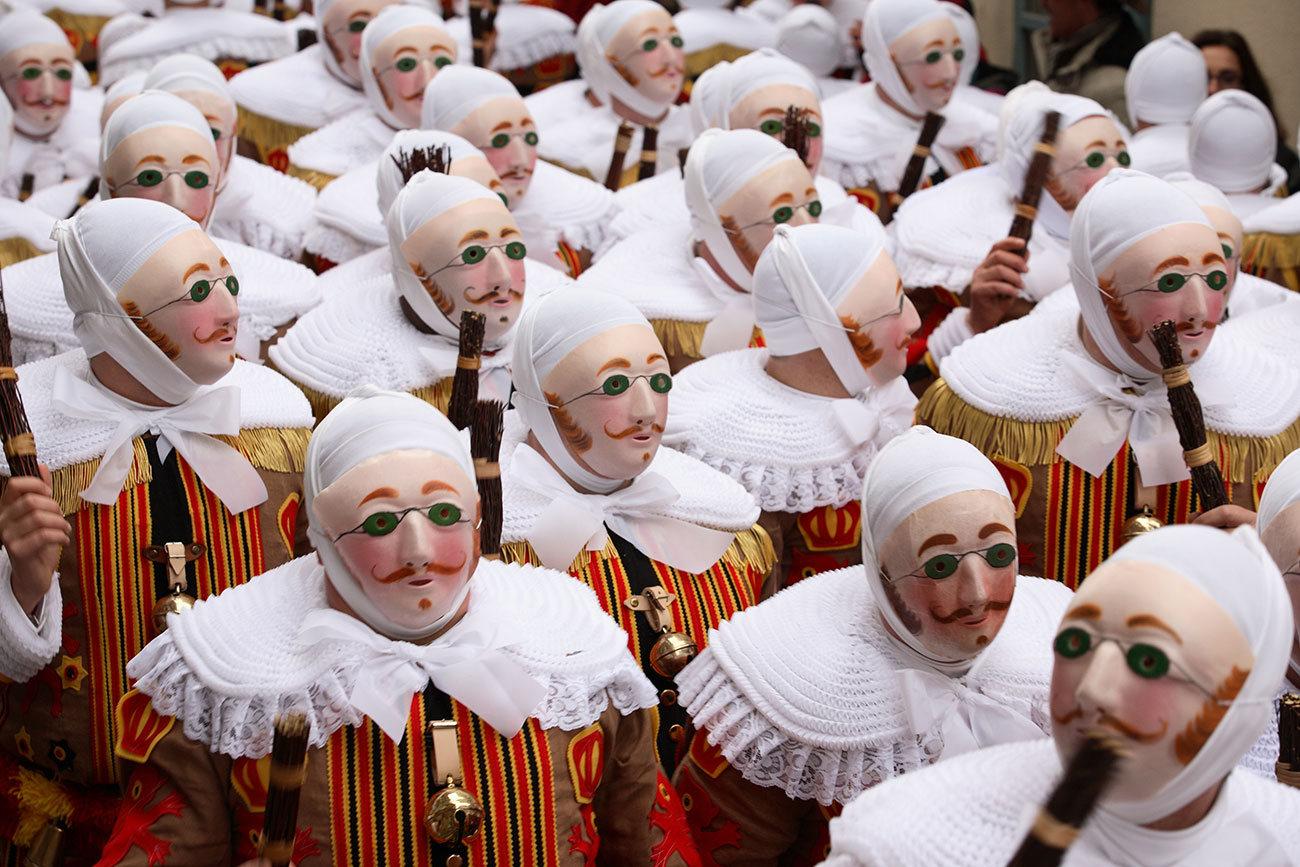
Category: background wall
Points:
column 1270, row 26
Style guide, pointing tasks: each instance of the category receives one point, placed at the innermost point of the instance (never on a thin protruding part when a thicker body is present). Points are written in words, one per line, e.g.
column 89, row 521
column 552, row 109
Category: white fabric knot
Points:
column 466, row 663
column 493, row 373
column 1121, row 413
column 574, row 521
column 733, row 326
column 966, row 719
column 185, row 426
column 859, row 423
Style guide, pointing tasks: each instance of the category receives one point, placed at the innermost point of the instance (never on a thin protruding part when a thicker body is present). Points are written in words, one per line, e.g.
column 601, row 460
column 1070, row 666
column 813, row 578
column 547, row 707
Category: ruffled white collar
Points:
column 654, row 270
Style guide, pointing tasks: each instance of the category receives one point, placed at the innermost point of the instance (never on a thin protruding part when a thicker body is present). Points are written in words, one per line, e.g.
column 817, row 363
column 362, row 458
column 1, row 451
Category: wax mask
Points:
column 880, row 320
column 1282, row 539
column 343, row 25
column 1227, row 226
column 170, row 164
column 504, row 130
column 764, row 110
column 37, row 80
column 781, row 194
column 647, row 53
column 405, row 524
column 220, row 116
column 929, row 58
column 480, row 171
column 1148, row 656
column 1177, row 273
column 1085, row 153
column 405, row 63
column 472, row 257
column 183, row 299
column 950, row 571
column 609, row 400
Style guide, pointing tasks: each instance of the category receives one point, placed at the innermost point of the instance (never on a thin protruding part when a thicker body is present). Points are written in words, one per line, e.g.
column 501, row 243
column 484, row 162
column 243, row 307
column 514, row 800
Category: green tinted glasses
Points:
column 1096, row 159
column 943, row 566
column 502, row 139
column 932, row 57
column 476, row 253
column 651, row 44
column 783, row 214
column 619, row 383
column 200, row 290
column 408, row 64
column 1145, row 660
column 31, row 73
column 383, row 523
column 772, row 126
column 194, row 179
column 1172, row 282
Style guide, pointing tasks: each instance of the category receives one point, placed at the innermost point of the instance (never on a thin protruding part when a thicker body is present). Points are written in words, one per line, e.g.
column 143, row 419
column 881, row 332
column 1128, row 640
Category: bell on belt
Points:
column 672, row 652
column 453, row 816
column 1143, row 522
column 176, row 602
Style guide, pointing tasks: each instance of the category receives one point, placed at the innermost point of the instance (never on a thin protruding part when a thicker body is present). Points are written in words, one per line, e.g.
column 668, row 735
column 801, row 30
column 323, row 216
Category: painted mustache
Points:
column 964, row 613
column 404, row 572
column 216, row 335
column 44, row 102
column 656, row 427
column 509, row 291
column 672, row 68
column 1207, row 325
column 1122, row 726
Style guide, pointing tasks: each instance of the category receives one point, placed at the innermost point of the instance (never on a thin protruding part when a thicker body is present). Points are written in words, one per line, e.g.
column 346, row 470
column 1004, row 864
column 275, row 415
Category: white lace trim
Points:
column 25, row 648
column 230, row 703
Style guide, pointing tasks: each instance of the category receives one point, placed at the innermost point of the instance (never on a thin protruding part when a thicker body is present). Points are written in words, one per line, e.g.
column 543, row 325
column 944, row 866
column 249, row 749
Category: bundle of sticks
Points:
column 435, row 158
column 288, row 773
column 794, row 132
column 464, row 385
column 1288, row 735
column 915, row 165
column 19, row 444
column 622, row 141
column 485, row 446
column 649, row 152
column 483, row 30
column 1060, row 820
column 1022, row 226
column 1207, row 480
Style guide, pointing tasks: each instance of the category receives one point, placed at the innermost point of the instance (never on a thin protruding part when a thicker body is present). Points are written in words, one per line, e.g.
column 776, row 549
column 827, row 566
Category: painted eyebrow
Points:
column 475, row 235
column 376, row 494
column 613, row 362
column 434, row 485
column 406, row 48
column 193, row 158
column 527, row 121
column 651, row 359
column 654, row 29
column 784, row 197
column 151, row 158
column 1169, row 263
column 939, row 539
column 1086, row 611
column 990, row 529
column 505, row 124
column 938, row 42
column 438, row 46
column 810, row 190
column 899, row 290
column 508, row 230
column 1097, row 143
column 1139, row 620
column 30, row 60
column 197, row 266
column 1212, row 257
column 223, row 262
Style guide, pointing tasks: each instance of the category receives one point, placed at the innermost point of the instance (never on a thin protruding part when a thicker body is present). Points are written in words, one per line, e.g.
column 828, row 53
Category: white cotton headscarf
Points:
column 426, row 196
column 6, row 133
column 99, row 250
column 799, row 282
column 23, row 27
column 388, row 176
column 149, row 110
column 320, row 9
column 1021, row 133
column 1166, row 81
column 809, row 35
column 913, row 470
column 128, row 85
column 1236, row 571
column 885, row 21
column 719, row 164
column 598, row 28
column 367, row 423
column 726, row 84
column 182, row 72
column 459, row 90
column 390, row 20
column 1233, row 142
column 969, row 32
column 1281, row 492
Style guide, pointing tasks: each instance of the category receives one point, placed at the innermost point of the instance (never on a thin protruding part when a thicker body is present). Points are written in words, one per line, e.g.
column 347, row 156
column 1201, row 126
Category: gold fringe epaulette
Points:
column 698, row 61
column 1034, row 443
column 751, row 548
column 274, row 449
column 583, row 173
column 683, row 338
column 15, row 250
column 319, row 180
column 1274, row 257
column 437, row 395
column 267, row 133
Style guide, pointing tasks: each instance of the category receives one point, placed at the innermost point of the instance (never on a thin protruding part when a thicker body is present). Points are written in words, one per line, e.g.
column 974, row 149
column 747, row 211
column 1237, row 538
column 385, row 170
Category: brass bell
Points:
column 49, row 848
column 672, row 652
column 176, row 602
column 453, row 816
column 1143, row 522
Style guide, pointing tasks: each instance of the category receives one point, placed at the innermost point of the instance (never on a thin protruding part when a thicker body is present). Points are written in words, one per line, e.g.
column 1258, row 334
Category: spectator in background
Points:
column 1231, row 66
column 1086, row 49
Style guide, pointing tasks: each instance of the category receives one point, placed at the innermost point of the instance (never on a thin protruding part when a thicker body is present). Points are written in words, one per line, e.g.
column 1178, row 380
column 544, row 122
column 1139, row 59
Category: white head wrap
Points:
column 1281, row 492
column 24, row 26
column 809, row 35
column 1023, row 130
column 459, row 90
column 885, row 21
column 388, row 176
column 799, row 282
column 99, row 251
column 319, row 10
column 6, row 133
column 1233, row 142
column 425, row 196
column 367, row 423
column 1166, row 81
column 598, row 27
column 726, row 84
column 969, row 32
column 1205, row 195
column 913, row 470
column 150, row 109
column 1238, row 574
column 390, row 20
column 128, row 85
column 182, row 72
column 718, row 165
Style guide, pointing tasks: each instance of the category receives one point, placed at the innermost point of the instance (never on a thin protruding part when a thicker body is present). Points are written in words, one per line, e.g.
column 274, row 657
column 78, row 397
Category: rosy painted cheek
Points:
column 815, row 149
column 354, row 45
